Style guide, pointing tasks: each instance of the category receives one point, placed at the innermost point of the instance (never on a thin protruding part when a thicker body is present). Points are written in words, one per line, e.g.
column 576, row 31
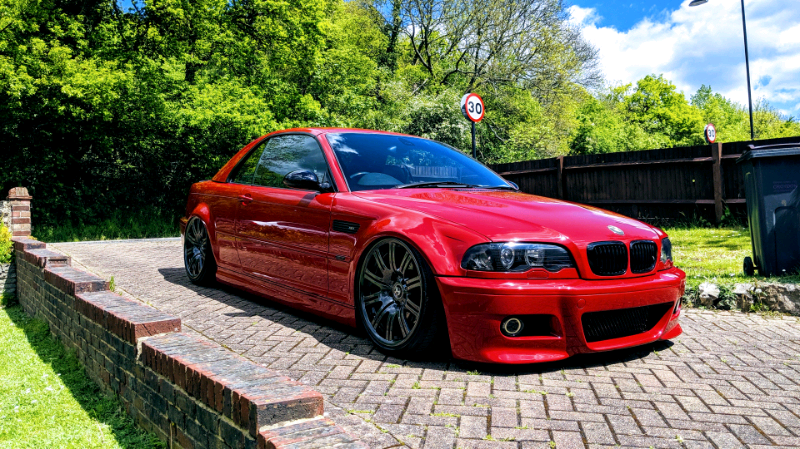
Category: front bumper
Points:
column 475, row 308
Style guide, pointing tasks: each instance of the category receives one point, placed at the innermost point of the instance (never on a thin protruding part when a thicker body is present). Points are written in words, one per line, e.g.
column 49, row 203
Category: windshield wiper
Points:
column 433, row 184
column 497, row 187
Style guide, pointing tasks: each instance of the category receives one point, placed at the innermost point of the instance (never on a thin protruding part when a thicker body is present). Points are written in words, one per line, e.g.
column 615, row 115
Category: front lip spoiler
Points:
column 475, row 308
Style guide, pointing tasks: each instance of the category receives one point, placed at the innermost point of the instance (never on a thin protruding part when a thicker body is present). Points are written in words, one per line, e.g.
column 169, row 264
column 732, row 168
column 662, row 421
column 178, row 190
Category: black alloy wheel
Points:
column 201, row 268
column 397, row 299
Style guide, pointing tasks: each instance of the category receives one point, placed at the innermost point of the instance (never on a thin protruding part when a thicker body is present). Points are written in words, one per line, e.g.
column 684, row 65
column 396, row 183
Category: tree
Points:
column 470, row 43
column 733, row 122
column 659, row 110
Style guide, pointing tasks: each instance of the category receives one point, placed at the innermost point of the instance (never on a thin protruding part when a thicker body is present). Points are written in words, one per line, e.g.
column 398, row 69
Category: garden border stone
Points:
column 772, row 296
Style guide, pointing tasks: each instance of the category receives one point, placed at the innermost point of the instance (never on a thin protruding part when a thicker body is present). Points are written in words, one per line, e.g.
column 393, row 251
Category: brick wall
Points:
column 20, row 205
column 192, row 393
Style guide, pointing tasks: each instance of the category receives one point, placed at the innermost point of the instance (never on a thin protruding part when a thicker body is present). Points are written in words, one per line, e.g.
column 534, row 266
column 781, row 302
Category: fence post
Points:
column 20, row 212
column 561, row 192
column 719, row 195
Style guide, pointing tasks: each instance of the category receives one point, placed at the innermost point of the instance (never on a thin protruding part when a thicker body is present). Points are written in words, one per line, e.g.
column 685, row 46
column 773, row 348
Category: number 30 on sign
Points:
column 472, row 107
column 710, row 133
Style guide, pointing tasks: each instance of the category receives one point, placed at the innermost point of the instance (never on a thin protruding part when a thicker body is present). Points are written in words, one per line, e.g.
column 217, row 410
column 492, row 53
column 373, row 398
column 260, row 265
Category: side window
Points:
column 246, row 170
column 285, row 154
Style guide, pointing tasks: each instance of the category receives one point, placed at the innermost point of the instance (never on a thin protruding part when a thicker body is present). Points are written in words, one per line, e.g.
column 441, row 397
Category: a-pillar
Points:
column 20, row 212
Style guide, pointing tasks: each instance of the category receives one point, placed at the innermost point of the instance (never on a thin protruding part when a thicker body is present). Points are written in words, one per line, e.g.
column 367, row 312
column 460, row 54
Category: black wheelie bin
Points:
column 771, row 178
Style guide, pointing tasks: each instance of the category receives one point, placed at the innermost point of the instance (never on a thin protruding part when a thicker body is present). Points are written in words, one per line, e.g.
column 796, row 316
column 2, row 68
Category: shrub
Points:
column 5, row 245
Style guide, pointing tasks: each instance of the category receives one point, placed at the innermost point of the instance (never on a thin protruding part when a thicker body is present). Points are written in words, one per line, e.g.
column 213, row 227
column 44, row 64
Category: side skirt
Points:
column 318, row 305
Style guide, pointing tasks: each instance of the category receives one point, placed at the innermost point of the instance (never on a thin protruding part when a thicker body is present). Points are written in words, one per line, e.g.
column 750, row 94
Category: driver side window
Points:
column 271, row 161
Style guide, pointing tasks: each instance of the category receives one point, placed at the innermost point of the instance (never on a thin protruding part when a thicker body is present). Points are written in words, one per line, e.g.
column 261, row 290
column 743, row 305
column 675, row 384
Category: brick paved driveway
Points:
column 732, row 380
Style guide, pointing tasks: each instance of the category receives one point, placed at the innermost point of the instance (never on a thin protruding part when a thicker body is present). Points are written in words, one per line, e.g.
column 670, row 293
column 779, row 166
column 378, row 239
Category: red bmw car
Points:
column 422, row 246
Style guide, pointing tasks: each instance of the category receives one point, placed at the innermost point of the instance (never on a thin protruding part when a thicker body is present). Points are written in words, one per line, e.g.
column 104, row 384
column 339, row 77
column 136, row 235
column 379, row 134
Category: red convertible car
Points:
column 422, row 246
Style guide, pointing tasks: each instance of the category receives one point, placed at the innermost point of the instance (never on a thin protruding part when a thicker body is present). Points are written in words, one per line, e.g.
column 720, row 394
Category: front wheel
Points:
column 198, row 259
column 397, row 300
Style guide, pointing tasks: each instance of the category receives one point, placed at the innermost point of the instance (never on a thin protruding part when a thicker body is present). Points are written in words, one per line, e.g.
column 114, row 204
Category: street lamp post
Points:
column 746, row 62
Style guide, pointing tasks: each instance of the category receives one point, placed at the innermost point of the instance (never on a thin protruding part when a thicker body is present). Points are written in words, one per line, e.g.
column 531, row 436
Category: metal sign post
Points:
column 474, row 151
column 473, row 110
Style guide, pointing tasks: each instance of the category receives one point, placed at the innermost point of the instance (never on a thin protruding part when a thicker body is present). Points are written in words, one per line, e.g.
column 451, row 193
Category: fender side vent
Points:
column 348, row 227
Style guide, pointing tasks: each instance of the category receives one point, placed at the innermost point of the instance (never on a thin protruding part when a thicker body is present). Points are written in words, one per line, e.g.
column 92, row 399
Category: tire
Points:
column 748, row 267
column 397, row 301
column 198, row 258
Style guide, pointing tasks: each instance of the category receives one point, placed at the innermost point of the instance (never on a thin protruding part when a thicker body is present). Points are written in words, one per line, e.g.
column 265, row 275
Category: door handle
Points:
column 246, row 198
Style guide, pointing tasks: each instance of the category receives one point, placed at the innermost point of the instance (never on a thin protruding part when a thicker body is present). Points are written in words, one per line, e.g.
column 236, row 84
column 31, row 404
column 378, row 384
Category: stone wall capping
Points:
column 25, row 243
column 128, row 319
column 317, row 432
column 19, row 193
column 189, row 391
column 72, row 281
column 45, row 258
column 250, row 395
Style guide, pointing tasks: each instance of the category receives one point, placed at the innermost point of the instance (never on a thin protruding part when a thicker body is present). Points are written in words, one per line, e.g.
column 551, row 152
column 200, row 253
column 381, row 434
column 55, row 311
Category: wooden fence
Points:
column 669, row 183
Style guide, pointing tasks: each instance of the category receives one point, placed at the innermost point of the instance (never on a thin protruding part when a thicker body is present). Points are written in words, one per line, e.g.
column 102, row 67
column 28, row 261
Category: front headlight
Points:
column 516, row 257
column 666, row 250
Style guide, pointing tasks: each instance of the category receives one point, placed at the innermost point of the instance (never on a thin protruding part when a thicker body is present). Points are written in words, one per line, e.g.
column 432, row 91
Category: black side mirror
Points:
column 513, row 184
column 305, row 180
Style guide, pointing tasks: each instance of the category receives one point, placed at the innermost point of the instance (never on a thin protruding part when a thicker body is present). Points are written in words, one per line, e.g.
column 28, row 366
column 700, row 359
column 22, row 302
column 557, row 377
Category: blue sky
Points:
column 700, row 45
column 623, row 15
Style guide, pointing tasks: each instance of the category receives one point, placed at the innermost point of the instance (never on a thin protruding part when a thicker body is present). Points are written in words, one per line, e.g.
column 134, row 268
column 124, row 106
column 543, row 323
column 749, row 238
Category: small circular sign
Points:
column 472, row 107
column 710, row 133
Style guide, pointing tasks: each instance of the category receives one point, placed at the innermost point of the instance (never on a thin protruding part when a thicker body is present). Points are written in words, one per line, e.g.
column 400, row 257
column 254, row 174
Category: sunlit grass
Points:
column 146, row 224
column 715, row 255
column 46, row 399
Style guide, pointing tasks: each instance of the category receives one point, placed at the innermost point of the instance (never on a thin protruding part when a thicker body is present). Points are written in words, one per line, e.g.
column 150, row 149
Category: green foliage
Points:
column 600, row 129
column 148, row 223
column 46, row 398
column 108, row 114
column 661, row 112
column 6, row 245
column 653, row 114
column 733, row 122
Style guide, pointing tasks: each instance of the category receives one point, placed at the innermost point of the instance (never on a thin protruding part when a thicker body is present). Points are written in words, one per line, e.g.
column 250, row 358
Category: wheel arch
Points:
column 203, row 212
column 441, row 244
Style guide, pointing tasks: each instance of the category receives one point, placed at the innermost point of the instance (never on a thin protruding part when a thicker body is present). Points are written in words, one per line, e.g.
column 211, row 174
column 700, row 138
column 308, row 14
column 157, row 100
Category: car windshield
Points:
column 384, row 161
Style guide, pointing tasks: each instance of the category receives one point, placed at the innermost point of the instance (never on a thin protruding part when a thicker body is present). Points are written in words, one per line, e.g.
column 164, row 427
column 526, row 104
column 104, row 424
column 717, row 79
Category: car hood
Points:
column 508, row 216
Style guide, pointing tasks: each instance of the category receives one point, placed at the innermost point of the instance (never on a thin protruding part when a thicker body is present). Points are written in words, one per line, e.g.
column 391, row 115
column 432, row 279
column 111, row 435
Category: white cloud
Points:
column 704, row 45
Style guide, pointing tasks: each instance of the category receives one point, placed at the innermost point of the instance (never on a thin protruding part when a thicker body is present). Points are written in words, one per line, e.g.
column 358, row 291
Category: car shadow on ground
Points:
column 360, row 345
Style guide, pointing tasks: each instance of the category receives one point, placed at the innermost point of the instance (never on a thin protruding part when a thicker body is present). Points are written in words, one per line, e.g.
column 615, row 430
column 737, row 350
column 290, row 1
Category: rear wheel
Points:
column 397, row 300
column 201, row 268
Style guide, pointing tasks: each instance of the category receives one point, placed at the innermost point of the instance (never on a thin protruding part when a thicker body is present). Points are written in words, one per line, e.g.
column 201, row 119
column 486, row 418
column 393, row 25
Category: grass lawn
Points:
column 46, row 399
column 146, row 224
column 715, row 255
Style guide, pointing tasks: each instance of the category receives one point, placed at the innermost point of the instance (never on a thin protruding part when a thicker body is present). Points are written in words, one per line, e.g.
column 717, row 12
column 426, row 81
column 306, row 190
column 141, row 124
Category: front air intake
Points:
column 611, row 324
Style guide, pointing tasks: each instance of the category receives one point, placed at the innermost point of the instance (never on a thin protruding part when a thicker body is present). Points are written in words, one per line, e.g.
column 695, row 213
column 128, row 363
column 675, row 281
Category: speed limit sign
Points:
column 472, row 107
column 710, row 133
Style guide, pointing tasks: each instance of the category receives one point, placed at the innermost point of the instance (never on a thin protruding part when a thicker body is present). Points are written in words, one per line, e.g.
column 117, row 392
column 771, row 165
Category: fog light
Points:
column 511, row 327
